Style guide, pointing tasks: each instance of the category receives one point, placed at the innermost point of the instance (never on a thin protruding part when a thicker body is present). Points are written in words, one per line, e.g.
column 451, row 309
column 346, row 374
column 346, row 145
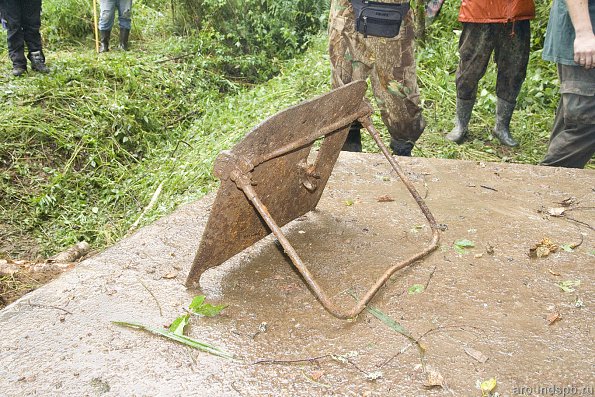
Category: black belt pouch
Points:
column 373, row 18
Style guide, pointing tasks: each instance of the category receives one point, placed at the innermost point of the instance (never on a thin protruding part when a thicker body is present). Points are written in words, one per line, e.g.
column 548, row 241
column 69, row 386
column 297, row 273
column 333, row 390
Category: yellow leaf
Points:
column 487, row 386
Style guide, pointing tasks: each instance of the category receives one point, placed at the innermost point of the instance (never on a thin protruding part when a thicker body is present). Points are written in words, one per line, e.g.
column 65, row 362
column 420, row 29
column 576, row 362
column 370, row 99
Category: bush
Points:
column 261, row 30
column 67, row 21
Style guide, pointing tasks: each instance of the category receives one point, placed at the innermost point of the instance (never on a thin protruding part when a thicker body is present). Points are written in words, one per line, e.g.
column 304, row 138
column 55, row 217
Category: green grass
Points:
column 84, row 149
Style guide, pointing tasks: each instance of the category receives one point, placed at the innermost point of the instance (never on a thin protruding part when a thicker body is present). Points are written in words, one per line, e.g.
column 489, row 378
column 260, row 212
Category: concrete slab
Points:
column 492, row 299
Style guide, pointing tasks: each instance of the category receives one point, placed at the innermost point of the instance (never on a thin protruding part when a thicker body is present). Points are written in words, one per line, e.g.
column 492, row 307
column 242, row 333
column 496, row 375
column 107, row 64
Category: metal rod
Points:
column 329, row 129
column 312, row 284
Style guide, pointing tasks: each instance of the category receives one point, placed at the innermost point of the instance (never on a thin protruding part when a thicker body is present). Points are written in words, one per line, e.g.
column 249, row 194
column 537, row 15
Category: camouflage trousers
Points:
column 510, row 43
column 388, row 62
column 572, row 143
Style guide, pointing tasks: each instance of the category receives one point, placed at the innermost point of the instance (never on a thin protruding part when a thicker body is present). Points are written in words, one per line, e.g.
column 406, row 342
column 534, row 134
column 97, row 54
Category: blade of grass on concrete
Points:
column 400, row 329
column 205, row 347
column 391, row 323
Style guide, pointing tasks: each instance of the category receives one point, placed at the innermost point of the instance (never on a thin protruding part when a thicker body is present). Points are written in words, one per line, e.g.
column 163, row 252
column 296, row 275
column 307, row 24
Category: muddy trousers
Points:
column 572, row 143
column 510, row 43
column 23, row 21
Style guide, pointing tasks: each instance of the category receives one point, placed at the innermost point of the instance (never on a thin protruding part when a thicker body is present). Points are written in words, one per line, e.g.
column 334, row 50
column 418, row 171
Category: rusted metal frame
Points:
column 243, row 181
column 362, row 112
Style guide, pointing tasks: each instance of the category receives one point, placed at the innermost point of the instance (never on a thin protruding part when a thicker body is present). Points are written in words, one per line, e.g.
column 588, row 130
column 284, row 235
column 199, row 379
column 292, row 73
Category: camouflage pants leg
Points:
column 389, row 63
column 572, row 143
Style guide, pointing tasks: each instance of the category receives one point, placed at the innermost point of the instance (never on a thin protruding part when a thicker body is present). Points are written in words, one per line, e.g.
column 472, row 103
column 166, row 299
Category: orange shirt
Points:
column 496, row 11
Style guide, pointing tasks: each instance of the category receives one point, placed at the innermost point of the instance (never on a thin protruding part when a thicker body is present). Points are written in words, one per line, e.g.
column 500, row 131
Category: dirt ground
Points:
column 488, row 305
column 13, row 286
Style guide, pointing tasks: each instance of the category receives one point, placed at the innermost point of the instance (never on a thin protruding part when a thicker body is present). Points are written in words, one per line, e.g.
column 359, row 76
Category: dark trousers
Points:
column 23, row 20
column 510, row 43
column 572, row 143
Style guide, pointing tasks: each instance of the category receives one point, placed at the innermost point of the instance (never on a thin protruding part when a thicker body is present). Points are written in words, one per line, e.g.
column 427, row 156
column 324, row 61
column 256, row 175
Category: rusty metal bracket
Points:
column 272, row 165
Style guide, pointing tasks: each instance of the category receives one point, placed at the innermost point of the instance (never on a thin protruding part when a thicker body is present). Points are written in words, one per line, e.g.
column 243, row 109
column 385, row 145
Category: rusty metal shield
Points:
column 276, row 155
column 278, row 173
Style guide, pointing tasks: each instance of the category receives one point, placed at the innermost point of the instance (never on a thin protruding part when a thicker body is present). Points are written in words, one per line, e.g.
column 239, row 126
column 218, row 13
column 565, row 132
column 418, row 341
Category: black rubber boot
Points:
column 19, row 70
column 401, row 147
column 104, row 36
column 124, row 33
column 464, row 109
column 504, row 110
column 353, row 143
column 38, row 62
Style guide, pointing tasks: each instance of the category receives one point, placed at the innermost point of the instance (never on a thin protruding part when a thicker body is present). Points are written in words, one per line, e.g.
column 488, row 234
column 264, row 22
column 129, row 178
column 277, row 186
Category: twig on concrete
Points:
column 574, row 245
column 403, row 350
column 489, row 188
column 154, row 297
column 48, row 307
column 430, row 331
column 356, row 367
column 579, row 222
column 303, row 360
column 429, row 278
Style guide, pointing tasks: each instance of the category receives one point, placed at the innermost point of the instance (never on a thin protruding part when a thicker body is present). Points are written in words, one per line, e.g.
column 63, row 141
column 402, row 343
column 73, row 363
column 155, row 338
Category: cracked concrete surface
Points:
column 493, row 298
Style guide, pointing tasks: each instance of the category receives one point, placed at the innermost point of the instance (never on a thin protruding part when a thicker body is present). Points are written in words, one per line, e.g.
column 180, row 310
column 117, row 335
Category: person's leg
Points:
column 475, row 48
column 125, row 22
column 513, row 42
column 12, row 13
column 394, row 82
column 106, row 21
column 346, row 58
column 572, row 143
column 31, row 23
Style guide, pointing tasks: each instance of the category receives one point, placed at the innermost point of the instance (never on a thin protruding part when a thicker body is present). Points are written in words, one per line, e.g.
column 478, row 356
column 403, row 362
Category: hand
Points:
column 584, row 50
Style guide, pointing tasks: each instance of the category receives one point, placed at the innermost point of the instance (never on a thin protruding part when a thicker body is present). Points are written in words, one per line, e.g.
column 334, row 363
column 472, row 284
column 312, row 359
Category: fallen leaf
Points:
column 170, row 275
column 568, row 202
column 476, row 354
column 349, row 203
column 316, row 375
column 490, row 249
column 543, row 248
column 374, row 375
column 385, row 199
column 487, row 386
column 460, row 245
column 553, row 317
column 556, row 211
column 416, row 289
column 553, row 273
column 569, row 285
column 433, row 378
column 178, row 326
column 197, row 306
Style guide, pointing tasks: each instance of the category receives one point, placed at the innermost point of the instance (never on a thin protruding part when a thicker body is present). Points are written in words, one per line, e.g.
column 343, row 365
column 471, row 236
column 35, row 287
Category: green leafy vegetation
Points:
column 177, row 337
column 416, row 289
column 200, row 308
column 461, row 245
column 177, row 329
column 85, row 149
column 569, row 285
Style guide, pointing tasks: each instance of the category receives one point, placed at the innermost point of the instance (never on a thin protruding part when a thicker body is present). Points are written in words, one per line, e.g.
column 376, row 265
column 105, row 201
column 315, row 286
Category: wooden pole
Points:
column 95, row 26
